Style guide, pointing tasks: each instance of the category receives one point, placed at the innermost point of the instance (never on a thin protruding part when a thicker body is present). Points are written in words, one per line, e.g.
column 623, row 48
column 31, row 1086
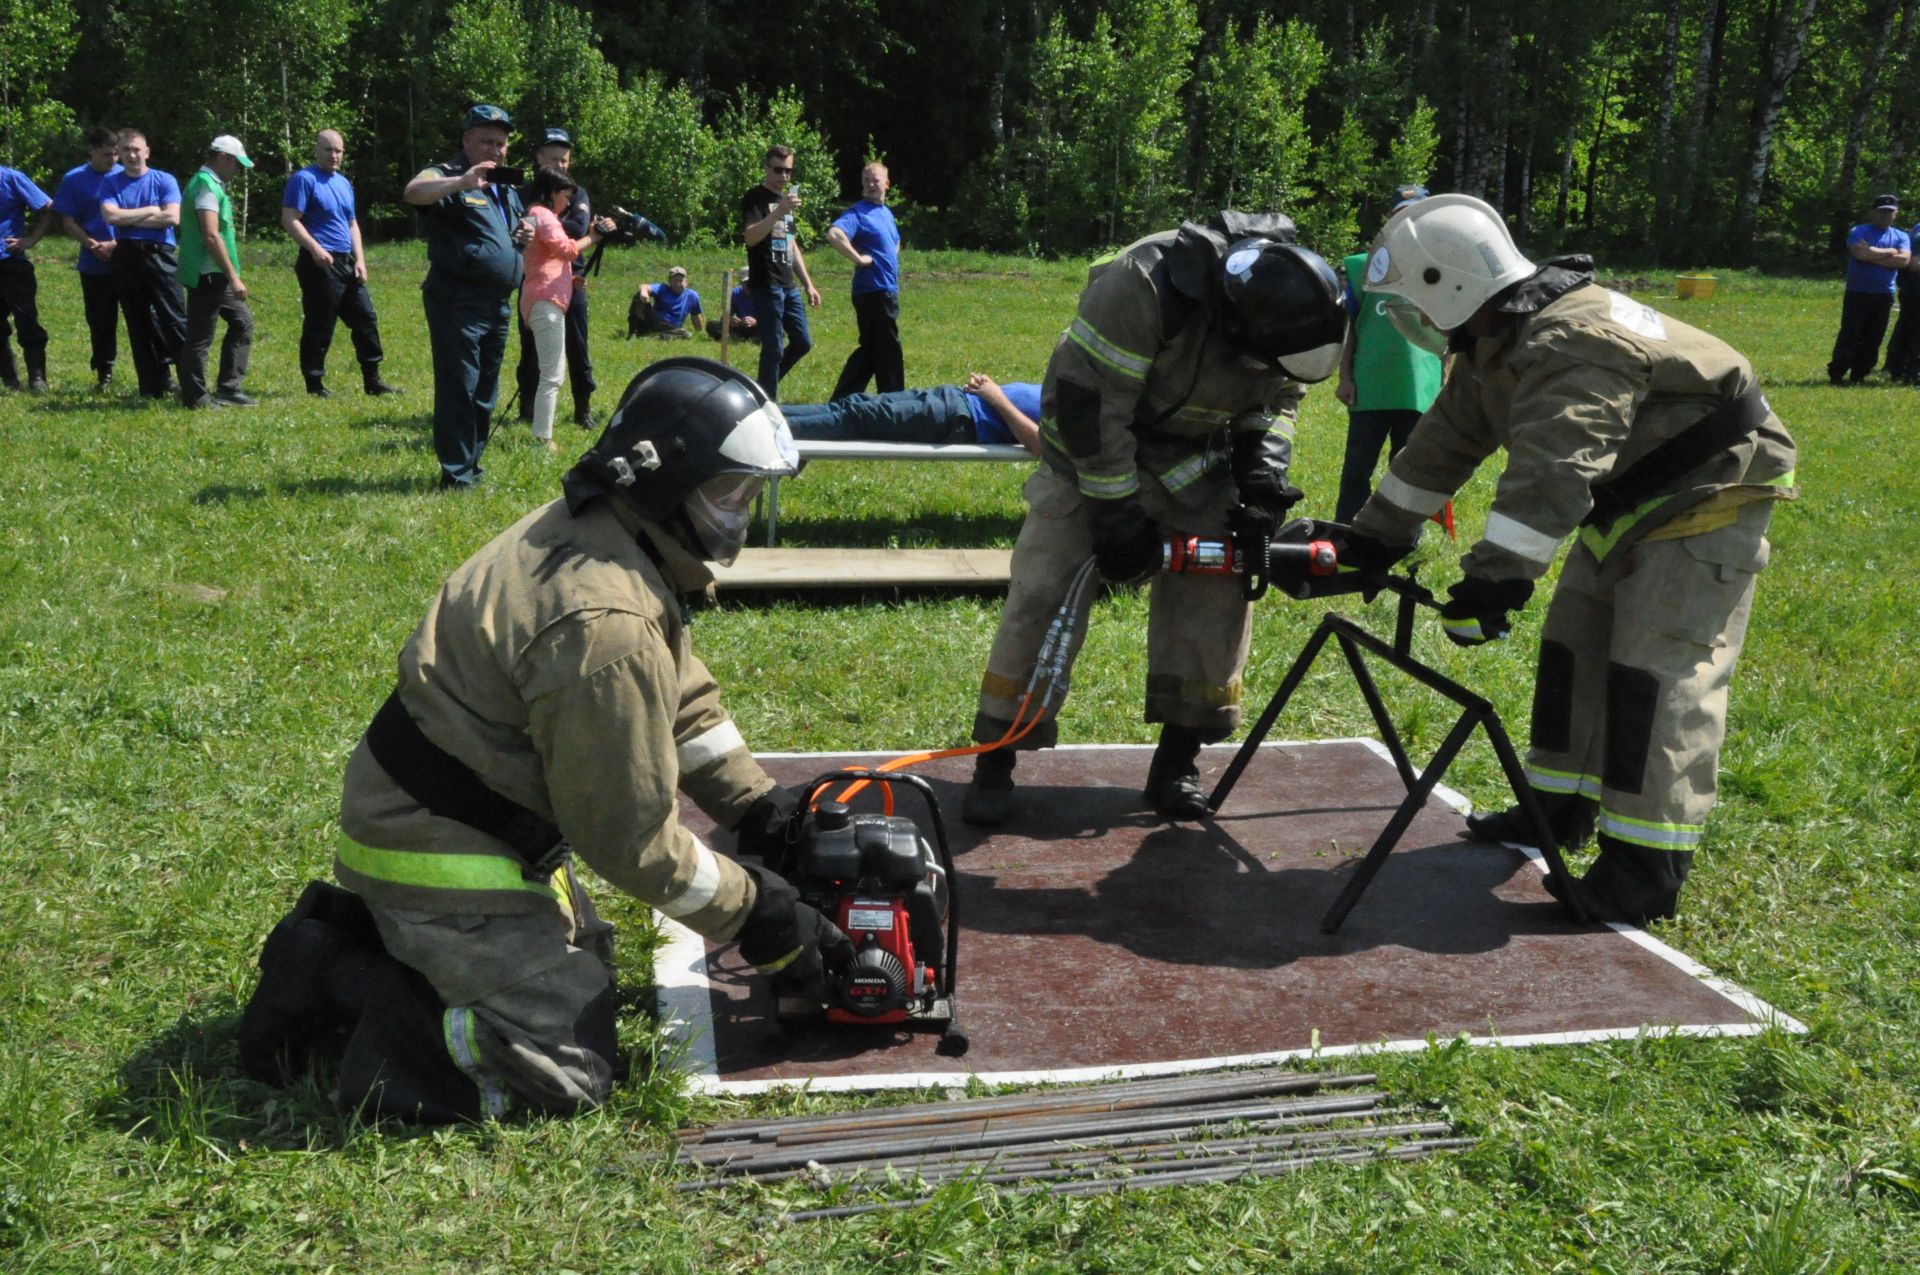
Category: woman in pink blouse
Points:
column 549, row 286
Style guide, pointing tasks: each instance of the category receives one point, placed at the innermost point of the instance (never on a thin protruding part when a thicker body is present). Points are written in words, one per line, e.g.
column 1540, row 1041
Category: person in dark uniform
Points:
column 317, row 210
column 475, row 232
column 142, row 204
column 19, row 287
column 556, row 151
column 78, row 200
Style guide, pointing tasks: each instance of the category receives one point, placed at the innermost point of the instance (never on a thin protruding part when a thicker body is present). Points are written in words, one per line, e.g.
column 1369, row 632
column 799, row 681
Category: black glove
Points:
column 1249, row 525
column 1476, row 609
column 788, row 941
column 1260, row 460
column 1127, row 547
column 762, row 831
column 1370, row 558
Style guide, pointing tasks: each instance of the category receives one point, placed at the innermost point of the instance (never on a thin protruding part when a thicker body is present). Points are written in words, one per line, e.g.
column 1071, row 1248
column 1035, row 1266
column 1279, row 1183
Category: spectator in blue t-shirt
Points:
column 1903, row 347
column 78, row 201
column 866, row 235
column 1877, row 253
column 740, row 315
column 665, row 309
column 19, row 286
column 318, row 211
column 142, row 204
column 981, row 411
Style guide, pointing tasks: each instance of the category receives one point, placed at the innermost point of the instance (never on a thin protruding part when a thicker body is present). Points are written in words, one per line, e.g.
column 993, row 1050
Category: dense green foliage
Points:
column 1678, row 130
column 198, row 613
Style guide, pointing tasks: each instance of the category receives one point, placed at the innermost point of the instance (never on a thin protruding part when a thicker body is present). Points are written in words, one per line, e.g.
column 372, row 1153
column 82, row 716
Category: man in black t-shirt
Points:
column 773, row 264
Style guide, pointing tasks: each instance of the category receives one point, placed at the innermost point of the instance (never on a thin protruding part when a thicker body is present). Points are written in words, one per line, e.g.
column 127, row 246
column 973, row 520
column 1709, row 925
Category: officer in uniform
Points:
column 548, row 705
column 475, row 233
column 556, row 151
column 1168, row 408
column 1648, row 440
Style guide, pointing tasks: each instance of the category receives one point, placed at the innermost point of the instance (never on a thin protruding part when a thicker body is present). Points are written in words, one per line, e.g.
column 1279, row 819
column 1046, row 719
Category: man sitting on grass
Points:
column 664, row 309
column 981, row 411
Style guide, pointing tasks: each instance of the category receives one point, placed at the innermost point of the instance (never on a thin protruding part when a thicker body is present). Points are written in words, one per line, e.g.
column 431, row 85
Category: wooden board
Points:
column 867, row 568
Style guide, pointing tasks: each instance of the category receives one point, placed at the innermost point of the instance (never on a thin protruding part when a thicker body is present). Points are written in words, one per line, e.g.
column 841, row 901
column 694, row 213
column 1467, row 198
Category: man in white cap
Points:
column 210, row 273
column 1651, row 443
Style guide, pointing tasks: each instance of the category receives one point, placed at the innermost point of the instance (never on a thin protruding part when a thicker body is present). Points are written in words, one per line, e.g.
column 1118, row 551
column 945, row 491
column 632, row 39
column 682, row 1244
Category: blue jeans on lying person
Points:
column 937, row 415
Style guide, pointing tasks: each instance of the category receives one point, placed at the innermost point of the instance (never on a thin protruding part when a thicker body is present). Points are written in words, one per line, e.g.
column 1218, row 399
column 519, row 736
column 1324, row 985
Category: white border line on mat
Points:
column 686, row 1009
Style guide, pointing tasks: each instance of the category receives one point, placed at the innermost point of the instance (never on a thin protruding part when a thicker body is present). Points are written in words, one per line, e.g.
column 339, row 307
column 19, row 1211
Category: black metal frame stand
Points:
column 1475, row 711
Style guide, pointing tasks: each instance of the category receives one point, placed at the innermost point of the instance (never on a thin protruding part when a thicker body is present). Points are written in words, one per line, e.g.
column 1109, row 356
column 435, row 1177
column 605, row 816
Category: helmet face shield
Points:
column 720, row 511
column 1412, row 323
column 762, row 443
column 1313, row 365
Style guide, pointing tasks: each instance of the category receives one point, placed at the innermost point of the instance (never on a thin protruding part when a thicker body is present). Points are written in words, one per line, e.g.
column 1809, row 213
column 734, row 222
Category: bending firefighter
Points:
column 1647, row 440
column 548, row 705
column 1168, row 408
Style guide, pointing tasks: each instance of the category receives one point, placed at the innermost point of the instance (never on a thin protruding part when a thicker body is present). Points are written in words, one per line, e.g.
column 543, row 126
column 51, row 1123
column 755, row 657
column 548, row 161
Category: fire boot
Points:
column 1569, row 815
column 401, row 1060
column 370, row 379
column 37, row 372
column 293, row 1007
column 989, row 799
column 317, row 387
column 1173, row 780
column 1632, row 884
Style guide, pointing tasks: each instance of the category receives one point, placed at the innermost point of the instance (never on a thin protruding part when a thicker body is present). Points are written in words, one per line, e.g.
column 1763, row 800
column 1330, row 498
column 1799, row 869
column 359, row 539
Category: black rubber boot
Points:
column 989, row 799
column 370, row 379
column 307, row 983
column 1569, row 815
column 398, row 1062
column 317, row 387
column 1173, row 780
column 1634, row 884
column 37, row 373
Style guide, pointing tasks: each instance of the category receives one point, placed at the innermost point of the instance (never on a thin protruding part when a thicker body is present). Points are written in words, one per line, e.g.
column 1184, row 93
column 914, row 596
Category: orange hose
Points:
column 1016, row 731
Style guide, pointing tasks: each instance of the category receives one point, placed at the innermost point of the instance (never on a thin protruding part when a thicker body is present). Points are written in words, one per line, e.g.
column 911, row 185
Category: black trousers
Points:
column 209, row 300
column 526, row 373
column 330, row 294
column 878, row 356
column 1863, row 321
column 1903, row 347
column 102, row 304
column 147, row 277
column 20, row 314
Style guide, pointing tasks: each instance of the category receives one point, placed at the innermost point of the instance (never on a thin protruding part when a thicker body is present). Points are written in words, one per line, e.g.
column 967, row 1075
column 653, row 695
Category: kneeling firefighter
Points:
column 1168, row 409
column 1650, row 440
column 548, row 705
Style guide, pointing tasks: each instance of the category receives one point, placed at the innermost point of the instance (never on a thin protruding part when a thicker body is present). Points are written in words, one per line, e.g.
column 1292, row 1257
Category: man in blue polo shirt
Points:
column 19, row 286
column 142, row 204
column 317, row 209
column 1876, row 254
column 981, row 411
column 665, row 308
column 866, row 235
column 476, row 229
column 78, row 201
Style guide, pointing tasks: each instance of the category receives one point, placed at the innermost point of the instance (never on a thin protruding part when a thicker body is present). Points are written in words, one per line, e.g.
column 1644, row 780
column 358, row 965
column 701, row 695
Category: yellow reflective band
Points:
column 1563, row 781
column 1125, row 362
column 1651, row 833
column 774, row 967
column 1108, row 486
column 437, row 871
column 1784, row 480
column 1600, row 545
column 1468, row 628
column 1184, row 474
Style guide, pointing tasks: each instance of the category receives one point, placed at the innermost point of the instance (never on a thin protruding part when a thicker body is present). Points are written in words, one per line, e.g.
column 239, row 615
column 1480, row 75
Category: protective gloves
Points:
column 788, row 941
column 1127, row 547
column 1370, row 558
column 762, row 831
column 1260, row 459
column 1476, row 609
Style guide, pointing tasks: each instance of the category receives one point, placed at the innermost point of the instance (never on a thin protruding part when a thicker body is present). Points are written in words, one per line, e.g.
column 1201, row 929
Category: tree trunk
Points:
column 1566, row 181
column 1716, row 33
column 1704, row 72
column 1663, row 128
column 1593, row 152
column 1893, row 13
column 1500, row 126
column 1791, row 44
column 1463, row 131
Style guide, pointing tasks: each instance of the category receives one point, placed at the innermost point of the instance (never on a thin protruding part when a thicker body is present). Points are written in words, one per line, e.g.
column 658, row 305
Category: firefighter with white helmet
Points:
column 548, row 706
column 1649, row 443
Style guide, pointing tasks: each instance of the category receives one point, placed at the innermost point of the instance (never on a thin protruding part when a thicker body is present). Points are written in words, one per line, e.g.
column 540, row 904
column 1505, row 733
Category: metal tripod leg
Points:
column 1255, row 737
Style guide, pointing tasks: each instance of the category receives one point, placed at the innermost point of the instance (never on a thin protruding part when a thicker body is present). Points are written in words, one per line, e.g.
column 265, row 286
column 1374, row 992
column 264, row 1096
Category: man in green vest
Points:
column 210, row 273
column 1386, row 381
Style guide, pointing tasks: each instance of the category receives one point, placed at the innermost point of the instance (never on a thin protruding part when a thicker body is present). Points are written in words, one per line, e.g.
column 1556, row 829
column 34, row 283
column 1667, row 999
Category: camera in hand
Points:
column 501, row 175
column 628, row 229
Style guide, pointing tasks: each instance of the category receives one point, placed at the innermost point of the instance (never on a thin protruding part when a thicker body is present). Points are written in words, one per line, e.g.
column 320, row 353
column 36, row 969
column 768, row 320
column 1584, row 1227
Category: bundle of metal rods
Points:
column 1090, row 1140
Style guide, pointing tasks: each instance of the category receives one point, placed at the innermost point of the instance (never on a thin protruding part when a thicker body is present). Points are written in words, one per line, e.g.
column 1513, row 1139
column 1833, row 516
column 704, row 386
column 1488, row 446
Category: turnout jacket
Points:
column 1590, row 393
column 555, row 665
column 1142, row 382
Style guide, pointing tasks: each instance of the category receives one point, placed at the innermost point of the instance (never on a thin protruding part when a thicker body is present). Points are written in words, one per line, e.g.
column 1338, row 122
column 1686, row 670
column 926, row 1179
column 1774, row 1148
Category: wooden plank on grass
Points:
column 866, row 568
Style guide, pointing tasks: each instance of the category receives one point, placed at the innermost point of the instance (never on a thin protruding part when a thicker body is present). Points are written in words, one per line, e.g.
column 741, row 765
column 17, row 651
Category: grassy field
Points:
column 198, row 613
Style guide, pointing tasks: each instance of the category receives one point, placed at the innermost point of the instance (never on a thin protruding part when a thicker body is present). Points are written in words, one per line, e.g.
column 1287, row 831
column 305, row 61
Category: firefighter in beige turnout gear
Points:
column 549, row 705
column 1646, row 440
column 1168, row 408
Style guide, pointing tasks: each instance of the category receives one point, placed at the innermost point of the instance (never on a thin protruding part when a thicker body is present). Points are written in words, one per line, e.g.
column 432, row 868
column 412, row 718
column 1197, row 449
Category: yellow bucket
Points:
column 1696, row 286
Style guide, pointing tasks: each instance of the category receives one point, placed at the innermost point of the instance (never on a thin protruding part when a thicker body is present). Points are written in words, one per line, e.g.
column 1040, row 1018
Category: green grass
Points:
column 198, row 613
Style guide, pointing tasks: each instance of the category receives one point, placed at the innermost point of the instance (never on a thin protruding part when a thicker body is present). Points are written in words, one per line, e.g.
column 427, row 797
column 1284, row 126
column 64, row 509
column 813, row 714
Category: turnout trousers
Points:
column 508, row 1013
column 1630, row 698
column 20, row 315
column 468, row 332
column 147, row 277
column 330, row 294
column 1197, row 626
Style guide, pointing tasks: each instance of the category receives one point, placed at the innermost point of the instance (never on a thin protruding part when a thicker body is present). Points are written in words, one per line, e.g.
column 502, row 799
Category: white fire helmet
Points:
column 1442, row 258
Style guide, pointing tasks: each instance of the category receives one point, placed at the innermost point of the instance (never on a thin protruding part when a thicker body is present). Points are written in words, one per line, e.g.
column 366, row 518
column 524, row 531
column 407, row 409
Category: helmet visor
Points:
column 1313, row 365
column 1413, row 324
column 720, row 511
column 762, row 443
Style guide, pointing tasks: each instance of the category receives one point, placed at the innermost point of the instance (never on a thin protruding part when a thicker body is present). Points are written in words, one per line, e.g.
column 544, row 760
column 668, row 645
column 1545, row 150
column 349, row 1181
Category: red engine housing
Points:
column 885, row 979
